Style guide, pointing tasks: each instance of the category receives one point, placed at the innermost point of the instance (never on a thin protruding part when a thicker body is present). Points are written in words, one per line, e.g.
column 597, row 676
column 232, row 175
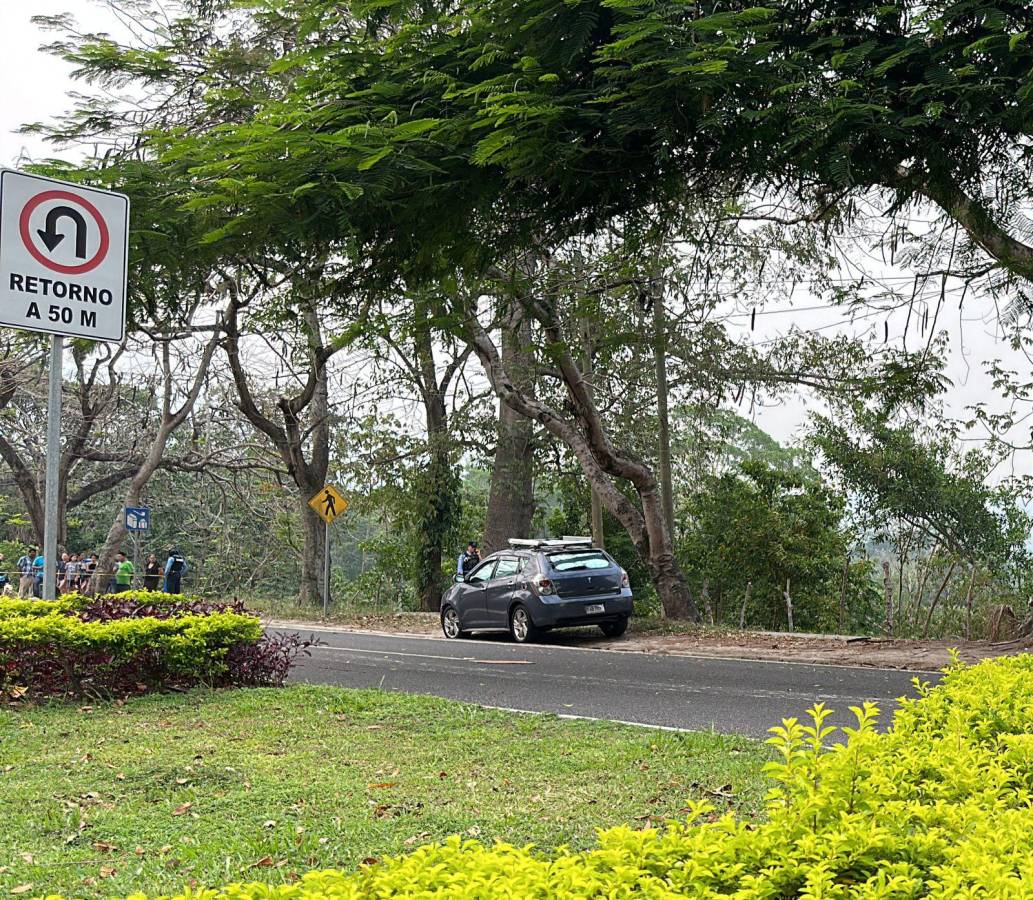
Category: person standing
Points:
column 151, row 573
column 38, row 567
column 468, row 560
column 72, row 574
column 24, row 567
column 89, row 569
column 62, row 574
column 5, row 579
column 175, row 569
column 124, row 572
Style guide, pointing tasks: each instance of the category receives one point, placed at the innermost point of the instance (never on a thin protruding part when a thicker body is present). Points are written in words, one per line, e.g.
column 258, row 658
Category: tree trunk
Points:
column 936, row 599
column 968, row 602
column 440, row 487
column 662, row 414
column 742, row 609
column 842, row 595
column 888, row 589
column 587, row 368
column 920, row 590
column 313, row 552
column 511, row 495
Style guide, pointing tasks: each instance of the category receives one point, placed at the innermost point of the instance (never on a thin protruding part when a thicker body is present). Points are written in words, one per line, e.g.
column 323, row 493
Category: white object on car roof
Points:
column 551, row 543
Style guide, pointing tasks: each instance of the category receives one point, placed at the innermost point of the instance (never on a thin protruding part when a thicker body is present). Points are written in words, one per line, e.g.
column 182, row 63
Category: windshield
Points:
column 579, row 560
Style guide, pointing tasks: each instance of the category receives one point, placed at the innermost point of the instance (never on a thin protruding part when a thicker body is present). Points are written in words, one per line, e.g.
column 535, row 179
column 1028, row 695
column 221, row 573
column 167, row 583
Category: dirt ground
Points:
column 650, row 636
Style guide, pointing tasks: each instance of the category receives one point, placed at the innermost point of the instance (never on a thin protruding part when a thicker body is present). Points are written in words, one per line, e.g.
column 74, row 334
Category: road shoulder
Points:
column 840, row 650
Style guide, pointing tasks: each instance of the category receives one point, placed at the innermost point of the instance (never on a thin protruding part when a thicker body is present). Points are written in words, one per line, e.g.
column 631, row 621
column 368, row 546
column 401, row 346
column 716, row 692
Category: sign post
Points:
column 137, row 521
column 53, row 476
column 64, row 251
column 328, row 504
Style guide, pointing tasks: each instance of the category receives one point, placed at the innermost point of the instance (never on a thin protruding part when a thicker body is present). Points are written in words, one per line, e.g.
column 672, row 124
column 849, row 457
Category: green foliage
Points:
column 415, row 127
column 188, row 645
column 897, row 474
column 756, row 528
column 938, row 806
column 13, row 607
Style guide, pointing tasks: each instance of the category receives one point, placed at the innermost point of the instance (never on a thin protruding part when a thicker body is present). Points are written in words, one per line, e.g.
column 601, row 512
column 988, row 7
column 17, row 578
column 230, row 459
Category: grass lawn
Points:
column 210, row 787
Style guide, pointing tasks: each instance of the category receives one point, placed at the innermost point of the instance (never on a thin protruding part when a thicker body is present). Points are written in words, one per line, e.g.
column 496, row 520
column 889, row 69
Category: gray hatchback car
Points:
column 538, row 585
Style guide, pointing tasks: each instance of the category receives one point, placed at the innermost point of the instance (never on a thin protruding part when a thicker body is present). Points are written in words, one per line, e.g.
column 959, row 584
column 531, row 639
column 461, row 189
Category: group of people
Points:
column 76, row 573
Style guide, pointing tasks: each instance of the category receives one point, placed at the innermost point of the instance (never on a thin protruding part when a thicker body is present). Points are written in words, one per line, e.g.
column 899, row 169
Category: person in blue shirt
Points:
column 175, row 569
column 37, row 575
column 468, row 560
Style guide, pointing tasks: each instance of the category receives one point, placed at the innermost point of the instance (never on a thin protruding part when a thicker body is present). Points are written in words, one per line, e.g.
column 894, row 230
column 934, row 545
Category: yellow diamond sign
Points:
column 328, row 504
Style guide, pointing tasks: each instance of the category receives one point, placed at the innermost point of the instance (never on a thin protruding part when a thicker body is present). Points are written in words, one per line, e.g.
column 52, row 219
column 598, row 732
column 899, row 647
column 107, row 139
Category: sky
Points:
column 37, row 86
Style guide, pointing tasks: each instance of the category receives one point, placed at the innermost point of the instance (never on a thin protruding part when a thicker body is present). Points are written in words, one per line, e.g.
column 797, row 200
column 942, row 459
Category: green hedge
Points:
column 939, row 806
column 57, row 653
column 12, row 607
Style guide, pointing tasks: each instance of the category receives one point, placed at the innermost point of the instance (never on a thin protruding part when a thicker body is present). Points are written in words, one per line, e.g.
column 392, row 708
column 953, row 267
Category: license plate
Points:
column 595, row 608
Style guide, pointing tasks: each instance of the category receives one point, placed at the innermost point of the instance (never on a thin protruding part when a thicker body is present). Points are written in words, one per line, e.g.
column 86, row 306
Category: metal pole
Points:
column 50, row 523
column 326, row 572
column 136, row 557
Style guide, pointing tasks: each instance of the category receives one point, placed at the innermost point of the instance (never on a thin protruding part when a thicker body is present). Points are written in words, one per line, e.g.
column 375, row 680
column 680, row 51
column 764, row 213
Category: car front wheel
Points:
column 451, row 625
column 521, row 627
column 614, row 629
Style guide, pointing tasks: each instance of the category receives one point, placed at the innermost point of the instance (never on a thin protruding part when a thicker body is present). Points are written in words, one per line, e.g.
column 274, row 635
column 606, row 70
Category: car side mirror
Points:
column 457, row 578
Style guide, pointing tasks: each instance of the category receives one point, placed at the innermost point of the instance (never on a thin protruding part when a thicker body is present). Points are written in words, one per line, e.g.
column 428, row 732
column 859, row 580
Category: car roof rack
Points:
column 567, row 541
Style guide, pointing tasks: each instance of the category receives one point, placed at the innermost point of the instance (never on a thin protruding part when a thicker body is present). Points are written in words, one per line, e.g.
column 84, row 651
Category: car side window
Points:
column 507, row 567
column 482, row 572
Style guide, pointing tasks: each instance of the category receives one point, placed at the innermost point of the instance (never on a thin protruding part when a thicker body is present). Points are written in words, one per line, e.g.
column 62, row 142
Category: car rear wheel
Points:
column 614, row 629
column 451, row 625
column 521, row 627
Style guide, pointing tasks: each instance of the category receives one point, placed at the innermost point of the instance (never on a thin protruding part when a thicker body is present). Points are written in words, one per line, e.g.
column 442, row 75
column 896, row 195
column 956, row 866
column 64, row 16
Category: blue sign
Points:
column 138, row 518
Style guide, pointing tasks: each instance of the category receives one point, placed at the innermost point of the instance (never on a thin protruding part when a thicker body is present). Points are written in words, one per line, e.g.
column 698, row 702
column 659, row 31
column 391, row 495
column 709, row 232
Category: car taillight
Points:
column 625, row 583
column 543, row 585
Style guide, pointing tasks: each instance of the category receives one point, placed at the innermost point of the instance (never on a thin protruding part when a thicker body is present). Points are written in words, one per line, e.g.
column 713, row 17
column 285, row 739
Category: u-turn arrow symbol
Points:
column 52, row 237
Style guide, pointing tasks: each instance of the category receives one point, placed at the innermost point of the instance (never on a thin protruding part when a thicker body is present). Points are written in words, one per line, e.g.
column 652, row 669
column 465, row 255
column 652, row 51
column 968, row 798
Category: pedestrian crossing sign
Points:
column 328, row 504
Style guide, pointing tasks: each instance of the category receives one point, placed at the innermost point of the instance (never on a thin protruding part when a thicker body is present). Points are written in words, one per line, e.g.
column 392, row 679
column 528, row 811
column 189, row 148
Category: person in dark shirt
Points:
column 175, row 568
column 151, row 573
column 469, row 560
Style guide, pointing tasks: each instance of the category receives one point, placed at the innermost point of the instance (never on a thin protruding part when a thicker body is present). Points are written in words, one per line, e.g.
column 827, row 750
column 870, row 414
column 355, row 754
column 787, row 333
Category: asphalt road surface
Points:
column 684, row 692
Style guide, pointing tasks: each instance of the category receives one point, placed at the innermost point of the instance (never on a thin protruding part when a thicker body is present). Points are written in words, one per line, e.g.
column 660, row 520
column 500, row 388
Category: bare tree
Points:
column 299, row 429
column 90, row 422
column 178, row 397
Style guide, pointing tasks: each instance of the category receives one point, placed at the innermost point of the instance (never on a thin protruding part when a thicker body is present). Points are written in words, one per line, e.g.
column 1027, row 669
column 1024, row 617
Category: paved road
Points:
column 699, row 693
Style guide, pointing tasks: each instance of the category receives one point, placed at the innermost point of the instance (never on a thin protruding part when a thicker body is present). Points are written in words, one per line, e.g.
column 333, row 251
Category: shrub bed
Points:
column 938, row 806
column 135, row 641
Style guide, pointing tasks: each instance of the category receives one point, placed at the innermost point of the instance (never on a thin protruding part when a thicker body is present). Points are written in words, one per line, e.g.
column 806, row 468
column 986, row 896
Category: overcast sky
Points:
column 36, row 86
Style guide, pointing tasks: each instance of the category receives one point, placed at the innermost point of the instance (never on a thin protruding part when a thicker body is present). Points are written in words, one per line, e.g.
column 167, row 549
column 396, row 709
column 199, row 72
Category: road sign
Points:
column 328, row 504
column 63, row 257
column 138, row 518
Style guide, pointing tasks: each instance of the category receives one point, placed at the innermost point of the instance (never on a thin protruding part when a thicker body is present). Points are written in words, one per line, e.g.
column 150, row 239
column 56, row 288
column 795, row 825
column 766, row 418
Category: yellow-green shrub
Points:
column 939, row 806
column 13, row 607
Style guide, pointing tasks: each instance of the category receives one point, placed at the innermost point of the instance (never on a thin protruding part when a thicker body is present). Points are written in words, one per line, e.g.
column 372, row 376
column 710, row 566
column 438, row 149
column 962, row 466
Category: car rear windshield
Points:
column 576, row 560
